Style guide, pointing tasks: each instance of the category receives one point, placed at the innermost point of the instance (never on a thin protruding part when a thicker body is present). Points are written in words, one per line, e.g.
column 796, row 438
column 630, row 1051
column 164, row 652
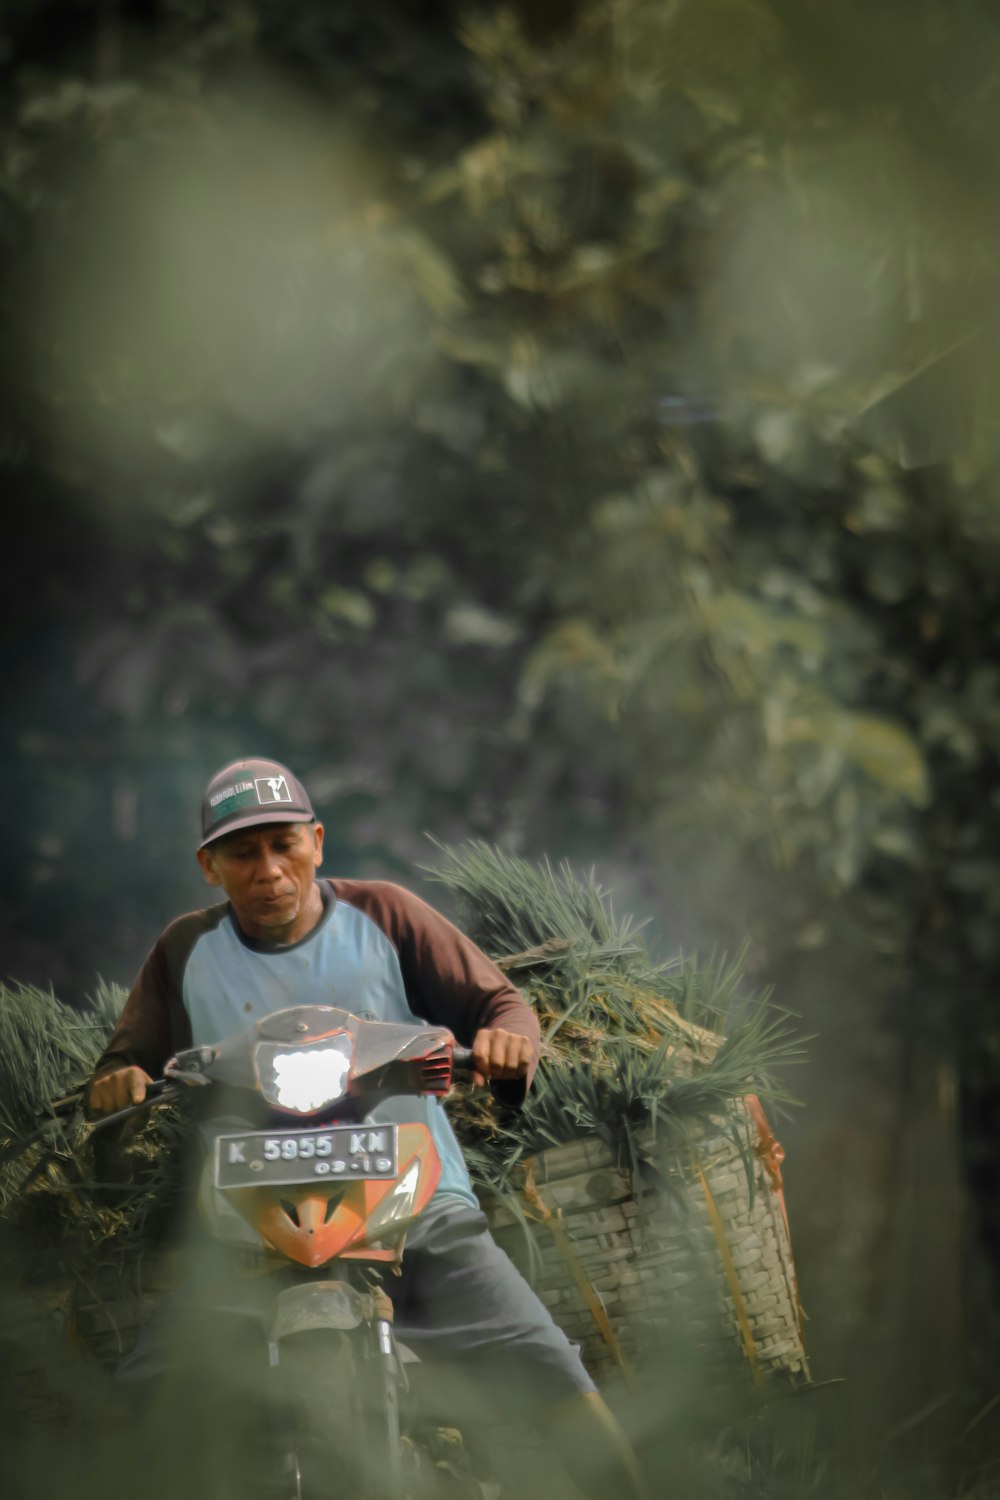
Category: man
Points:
column 284, row 937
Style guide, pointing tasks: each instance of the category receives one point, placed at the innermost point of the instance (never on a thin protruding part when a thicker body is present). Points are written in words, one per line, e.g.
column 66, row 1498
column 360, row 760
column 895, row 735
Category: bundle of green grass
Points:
column 70, row 1199
column 630, row 1048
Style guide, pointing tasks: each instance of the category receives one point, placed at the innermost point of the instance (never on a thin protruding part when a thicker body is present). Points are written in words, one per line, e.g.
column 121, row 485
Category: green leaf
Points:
column 888, row 754
column 473, row 625
column 350, row 606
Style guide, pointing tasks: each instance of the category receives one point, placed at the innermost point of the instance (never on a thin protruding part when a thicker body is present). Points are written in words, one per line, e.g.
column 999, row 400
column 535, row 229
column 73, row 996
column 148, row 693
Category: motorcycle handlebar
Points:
column 512, row 1091
column 158, row 1089
column 462, row 1064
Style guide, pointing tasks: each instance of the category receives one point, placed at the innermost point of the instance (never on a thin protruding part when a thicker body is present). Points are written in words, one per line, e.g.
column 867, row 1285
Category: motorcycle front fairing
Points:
column 314, row 1060
column 314, row 1223
column 313, row 1066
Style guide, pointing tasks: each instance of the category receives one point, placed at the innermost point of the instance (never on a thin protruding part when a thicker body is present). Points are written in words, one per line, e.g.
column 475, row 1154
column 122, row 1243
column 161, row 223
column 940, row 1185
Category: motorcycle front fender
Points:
column 318, row 1304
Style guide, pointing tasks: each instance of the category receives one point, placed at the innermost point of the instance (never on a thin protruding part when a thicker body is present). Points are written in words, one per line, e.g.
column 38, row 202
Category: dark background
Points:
column 569, row 425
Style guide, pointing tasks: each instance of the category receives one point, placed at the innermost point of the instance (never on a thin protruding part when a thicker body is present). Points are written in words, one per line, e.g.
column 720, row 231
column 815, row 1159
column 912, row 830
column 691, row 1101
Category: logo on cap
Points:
column 272, row 789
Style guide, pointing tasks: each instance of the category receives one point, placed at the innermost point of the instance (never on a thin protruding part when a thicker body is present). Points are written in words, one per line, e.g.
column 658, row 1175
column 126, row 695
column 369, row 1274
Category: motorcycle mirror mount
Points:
column 187, row 1066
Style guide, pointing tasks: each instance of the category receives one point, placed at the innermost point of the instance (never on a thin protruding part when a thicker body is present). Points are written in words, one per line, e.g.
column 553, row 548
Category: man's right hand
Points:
column 117, row 1090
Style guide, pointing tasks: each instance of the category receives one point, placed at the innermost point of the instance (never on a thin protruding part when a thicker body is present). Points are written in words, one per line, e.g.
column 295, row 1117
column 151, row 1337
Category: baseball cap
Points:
column 248, row 792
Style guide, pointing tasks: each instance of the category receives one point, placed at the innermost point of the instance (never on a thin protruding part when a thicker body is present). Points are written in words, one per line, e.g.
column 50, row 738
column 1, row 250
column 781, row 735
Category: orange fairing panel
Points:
column 312, row 1223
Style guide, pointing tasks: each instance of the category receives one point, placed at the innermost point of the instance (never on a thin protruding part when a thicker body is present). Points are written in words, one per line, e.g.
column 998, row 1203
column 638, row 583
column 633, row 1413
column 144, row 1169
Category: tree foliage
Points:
column 568, row 425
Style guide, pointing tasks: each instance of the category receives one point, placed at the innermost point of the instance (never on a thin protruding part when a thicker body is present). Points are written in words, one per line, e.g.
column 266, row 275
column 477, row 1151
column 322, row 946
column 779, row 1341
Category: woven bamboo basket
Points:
column 700, row 1265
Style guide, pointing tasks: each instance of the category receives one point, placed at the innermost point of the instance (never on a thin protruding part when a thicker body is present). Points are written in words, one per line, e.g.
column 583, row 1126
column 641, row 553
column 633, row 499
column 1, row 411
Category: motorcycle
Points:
column 300, row 1172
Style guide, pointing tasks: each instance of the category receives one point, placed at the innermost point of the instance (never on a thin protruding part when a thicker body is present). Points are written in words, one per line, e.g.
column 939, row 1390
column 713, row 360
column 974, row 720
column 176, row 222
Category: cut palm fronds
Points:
column 628, row 1045
column 66, row 1199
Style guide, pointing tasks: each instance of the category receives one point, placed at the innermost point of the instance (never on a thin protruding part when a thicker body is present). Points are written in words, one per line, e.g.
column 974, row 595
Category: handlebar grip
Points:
column 155, row 1090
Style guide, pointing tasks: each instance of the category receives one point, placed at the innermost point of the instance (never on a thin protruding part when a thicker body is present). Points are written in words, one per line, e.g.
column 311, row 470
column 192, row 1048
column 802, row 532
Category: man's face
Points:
column 268, row 873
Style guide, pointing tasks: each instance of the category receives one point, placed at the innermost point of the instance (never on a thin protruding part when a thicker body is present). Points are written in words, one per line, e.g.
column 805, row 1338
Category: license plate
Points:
column 269, row 1158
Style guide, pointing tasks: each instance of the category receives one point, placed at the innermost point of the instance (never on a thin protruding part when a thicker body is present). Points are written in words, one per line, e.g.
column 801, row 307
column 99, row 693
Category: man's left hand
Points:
column 501, row 1054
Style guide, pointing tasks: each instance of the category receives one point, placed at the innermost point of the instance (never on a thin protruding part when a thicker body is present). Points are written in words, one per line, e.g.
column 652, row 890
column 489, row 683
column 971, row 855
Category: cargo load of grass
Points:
column 74, row 1200
column 631, row 1049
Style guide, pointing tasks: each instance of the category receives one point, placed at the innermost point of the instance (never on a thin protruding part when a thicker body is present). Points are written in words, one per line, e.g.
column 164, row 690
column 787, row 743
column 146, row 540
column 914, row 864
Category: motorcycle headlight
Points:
column 303, row 1079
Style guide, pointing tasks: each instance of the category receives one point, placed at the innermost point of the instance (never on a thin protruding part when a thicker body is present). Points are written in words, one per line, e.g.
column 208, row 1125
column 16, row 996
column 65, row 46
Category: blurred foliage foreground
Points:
column 566, row 424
